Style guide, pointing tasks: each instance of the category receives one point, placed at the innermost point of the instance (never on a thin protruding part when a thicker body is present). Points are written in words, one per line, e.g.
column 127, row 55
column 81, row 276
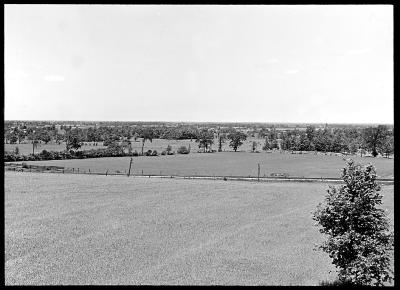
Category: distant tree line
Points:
column 374, row 140
column 350, row 140
column 100, row 134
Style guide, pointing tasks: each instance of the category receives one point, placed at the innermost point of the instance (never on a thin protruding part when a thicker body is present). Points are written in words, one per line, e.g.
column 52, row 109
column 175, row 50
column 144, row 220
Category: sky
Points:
column 199, row 63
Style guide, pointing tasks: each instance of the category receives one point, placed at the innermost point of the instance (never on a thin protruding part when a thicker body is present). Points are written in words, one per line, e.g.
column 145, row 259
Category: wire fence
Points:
column 273, row 177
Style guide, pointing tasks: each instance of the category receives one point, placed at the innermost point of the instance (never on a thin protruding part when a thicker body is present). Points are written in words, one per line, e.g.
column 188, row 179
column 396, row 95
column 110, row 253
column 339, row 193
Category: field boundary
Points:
column 61, row 170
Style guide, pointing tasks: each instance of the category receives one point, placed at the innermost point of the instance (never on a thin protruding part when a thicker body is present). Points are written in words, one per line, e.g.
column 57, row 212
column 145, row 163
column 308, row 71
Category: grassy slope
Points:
column 79, row 229
column 228, row 163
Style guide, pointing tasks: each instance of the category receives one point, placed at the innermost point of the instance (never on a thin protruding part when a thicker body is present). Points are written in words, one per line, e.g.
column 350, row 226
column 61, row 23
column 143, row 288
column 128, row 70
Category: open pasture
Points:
column 156, row 144
column 226, row 164
column 79, row 229
column 88, row 229
column 26, row 148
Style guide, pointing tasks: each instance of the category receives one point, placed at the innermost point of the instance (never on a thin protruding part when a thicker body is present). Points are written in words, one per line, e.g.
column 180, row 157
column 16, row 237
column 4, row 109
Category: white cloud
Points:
column 53, row 78
column 292, row 71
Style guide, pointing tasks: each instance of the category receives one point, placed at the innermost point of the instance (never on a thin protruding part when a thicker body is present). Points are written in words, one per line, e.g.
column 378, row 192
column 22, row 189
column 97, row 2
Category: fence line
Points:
column 45, row 169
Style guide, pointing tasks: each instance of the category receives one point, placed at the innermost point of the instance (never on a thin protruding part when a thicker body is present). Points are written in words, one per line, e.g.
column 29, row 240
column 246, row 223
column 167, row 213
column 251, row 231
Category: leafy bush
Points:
column 154, row 153
column 359, row 241
column 182, row 150
column 164, row 152
column 148, row 153
column 335, row 283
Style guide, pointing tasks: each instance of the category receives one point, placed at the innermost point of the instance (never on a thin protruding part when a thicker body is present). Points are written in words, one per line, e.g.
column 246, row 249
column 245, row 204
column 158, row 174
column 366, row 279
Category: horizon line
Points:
column 205, row 122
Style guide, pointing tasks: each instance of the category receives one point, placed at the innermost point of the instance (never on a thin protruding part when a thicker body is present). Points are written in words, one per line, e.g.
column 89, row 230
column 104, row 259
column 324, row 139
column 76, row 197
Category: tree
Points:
column 147, row 134
column 44, row 136
column 21, row 136
column 386, row 147
column 274, row 144
column 16, row 150
column 221, row 140
column 373, row 137
column 127, row 144
column 32, row 136
column 34, row 146
column 73, row 142
column 336, row 143
column 111, row 140
column 116, row 148
column 254, row 146
column 267, row 145
column 304, row 142
column 13, row 138
column 169, row 149
column 310, row 132
column 321, row 140
column 352, row 147
column 236, row 140
column 359, row 241
column 205, row 139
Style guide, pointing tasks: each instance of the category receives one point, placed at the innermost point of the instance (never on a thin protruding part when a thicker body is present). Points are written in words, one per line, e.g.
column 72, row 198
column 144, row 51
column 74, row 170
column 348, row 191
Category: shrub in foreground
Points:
column 359, row 241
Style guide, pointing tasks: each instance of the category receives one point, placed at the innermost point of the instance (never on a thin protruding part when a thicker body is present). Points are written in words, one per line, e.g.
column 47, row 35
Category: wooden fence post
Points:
column 258, row 176
column 130, row 164
column 106, row 172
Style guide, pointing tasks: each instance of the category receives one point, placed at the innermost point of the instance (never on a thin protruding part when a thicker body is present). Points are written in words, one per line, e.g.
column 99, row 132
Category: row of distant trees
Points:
column 375, row 140
column 97, row 134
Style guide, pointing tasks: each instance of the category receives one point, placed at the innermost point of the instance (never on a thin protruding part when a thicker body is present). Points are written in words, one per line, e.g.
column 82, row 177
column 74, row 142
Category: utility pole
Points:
column 130, row 164
column 33, row 142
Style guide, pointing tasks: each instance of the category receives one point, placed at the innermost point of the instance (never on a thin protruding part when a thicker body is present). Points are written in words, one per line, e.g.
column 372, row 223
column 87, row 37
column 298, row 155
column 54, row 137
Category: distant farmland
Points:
column 80, row 229
column 227, row 164
column 157, row 144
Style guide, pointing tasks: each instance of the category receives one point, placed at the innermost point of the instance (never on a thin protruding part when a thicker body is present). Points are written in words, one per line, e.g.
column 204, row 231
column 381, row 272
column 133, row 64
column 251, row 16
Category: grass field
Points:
column 157, row 144
column 26, row 148
column 88, row 229
column 227, row 164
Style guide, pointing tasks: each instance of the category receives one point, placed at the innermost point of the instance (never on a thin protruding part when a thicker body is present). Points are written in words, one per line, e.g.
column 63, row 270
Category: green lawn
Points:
column 88, row 229
column 227, row 164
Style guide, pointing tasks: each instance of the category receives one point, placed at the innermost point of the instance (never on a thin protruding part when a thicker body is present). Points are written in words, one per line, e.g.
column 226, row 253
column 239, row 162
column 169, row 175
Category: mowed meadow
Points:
column 226, row 164
column 89, row 229
column 156, row 144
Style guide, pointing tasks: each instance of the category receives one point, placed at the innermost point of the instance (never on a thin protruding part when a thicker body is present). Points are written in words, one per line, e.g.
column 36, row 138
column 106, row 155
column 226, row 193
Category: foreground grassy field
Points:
column 87, row 229
column 227, row 164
